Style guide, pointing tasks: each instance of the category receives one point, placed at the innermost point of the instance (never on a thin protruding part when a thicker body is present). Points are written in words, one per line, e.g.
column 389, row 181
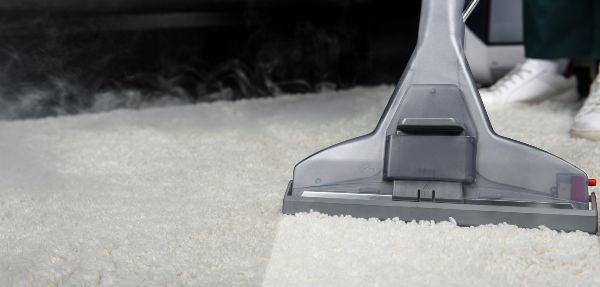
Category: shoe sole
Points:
column 592, row 135
column 568, row 96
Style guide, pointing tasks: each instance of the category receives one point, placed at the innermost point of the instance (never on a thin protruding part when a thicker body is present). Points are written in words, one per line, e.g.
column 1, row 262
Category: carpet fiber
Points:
column 191, row 195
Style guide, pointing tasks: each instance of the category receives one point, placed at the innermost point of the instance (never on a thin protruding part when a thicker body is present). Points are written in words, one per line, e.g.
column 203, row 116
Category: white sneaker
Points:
column 530, row 84
column 587, row 120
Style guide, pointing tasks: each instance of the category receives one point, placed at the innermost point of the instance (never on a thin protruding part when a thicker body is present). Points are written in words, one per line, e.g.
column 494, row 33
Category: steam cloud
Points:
column 57, row 71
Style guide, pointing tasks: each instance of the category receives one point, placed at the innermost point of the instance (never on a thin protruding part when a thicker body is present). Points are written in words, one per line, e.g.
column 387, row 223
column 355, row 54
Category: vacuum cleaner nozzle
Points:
column 434, row 154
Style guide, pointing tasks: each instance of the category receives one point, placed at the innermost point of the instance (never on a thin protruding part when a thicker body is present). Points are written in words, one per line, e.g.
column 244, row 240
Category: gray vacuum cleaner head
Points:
column 434, row 154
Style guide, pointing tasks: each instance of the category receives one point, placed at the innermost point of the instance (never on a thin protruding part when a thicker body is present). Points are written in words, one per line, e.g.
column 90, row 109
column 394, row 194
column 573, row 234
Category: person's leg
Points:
column 557, row 28
column 554, row 31
column 587, row 121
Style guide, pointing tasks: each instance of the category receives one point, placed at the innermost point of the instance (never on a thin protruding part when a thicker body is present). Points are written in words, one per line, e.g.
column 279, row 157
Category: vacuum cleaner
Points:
column 434, row 155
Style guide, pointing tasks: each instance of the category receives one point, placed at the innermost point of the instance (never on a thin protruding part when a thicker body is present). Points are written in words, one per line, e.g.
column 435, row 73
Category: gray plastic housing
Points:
column 440, row 158
column 435, row 134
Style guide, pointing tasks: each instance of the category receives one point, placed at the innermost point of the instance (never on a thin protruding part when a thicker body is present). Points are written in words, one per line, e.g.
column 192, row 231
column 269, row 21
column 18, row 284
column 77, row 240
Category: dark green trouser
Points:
column 561, row 28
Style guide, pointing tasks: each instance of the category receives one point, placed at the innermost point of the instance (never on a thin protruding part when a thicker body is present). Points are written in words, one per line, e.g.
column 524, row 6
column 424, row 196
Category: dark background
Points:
column 56, row 57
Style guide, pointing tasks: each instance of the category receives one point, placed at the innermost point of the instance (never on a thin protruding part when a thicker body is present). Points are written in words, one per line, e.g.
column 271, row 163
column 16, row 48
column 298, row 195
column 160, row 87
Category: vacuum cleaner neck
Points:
column 440, row 43
column 441, row 21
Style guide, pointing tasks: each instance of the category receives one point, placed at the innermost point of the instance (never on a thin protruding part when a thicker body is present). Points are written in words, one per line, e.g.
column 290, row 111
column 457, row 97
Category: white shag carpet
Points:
column 191, row 195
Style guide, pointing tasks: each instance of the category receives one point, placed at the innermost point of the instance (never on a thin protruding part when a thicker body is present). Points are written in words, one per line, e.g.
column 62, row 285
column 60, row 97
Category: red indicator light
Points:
column 592, row 182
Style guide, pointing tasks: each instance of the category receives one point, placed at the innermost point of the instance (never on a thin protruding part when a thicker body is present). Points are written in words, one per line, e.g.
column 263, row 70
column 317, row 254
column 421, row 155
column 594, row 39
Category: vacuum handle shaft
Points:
column 469, row 9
